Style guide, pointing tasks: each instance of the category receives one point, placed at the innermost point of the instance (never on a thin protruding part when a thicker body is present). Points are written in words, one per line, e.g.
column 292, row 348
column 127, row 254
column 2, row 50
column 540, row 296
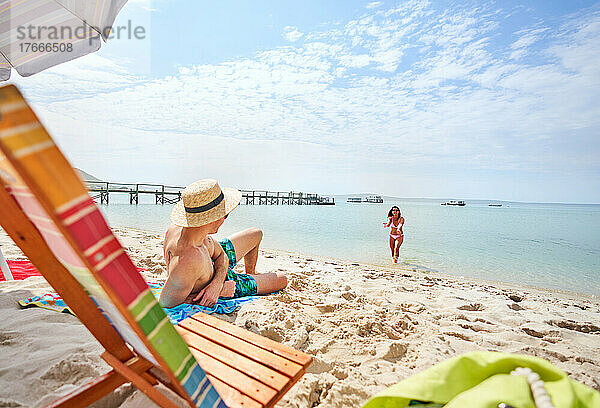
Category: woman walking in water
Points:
column 396, row 222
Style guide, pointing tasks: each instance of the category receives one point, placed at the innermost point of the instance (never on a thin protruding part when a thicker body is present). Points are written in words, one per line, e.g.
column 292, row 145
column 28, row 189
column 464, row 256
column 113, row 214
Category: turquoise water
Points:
column 547, row 245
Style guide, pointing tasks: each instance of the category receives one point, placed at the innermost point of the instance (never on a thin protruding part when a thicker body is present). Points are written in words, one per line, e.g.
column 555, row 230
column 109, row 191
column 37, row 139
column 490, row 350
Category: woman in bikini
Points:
column 396, row 222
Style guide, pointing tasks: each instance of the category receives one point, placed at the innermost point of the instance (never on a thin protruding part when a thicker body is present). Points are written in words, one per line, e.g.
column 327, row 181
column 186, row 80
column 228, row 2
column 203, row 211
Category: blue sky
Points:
column 491, row 100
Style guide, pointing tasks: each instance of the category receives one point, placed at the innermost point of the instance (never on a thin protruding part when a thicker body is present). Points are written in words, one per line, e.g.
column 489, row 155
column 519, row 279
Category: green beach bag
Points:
column 483, row 380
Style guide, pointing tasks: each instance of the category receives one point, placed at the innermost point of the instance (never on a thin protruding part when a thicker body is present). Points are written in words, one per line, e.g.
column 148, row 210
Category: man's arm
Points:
column 209, row 295
column 182, row 277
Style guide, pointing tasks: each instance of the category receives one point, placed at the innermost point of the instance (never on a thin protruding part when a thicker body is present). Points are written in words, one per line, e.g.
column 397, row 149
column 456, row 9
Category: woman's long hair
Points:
column 392, row 209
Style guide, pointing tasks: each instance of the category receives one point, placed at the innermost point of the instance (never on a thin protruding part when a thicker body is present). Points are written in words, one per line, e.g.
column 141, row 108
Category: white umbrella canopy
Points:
column 39, row 34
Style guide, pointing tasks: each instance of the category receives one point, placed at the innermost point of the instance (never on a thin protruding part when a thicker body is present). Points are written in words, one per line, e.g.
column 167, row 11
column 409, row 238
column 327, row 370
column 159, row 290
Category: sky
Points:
column 436, row 99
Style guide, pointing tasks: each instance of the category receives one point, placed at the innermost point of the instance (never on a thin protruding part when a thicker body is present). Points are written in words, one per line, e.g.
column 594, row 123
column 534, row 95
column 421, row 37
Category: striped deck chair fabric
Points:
column 45, row 186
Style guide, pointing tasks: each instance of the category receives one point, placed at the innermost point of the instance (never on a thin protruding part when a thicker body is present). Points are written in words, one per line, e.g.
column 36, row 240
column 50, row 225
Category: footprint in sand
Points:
column 475, row 328
column 319, row 366
column 458, row 335
column 9, row 403
column 395, row 352
column 515, row 298
column 572, row 325
column 8, row 338
column 473, row 307
column 348, row 295
column 77, row 367
column 328, row 308
column 541, row 332
column 544, row 353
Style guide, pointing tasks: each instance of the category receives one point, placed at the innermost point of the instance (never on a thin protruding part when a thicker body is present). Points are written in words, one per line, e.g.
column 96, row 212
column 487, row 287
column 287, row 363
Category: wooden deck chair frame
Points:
column 46, row 210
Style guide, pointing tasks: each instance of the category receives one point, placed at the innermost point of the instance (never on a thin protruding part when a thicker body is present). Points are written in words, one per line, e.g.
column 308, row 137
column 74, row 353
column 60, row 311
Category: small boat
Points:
column 354, row 200
column 326, row 201
column 494, row 205
column 455, row 203
column 374, row 199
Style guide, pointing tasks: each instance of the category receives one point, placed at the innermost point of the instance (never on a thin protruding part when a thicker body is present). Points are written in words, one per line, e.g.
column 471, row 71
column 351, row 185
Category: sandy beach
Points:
column 367, row 327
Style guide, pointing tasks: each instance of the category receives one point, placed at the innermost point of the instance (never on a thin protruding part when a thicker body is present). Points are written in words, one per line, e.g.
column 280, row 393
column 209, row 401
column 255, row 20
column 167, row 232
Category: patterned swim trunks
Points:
column 245, row 285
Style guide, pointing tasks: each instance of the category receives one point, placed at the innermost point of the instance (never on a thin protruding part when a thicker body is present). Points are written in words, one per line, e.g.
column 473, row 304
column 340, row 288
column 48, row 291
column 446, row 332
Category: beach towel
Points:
column 185, row 310
column 483, row 379
column 20, row 270
column 52, row 301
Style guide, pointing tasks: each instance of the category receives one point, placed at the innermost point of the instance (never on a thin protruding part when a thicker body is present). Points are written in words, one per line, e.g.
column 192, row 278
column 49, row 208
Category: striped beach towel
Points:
column 52, row 301
column 18, row 270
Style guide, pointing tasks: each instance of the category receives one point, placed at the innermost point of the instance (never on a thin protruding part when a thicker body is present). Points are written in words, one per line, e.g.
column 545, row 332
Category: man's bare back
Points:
column 191, row 264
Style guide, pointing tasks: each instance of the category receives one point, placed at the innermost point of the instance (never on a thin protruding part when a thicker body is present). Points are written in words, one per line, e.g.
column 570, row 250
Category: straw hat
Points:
column 203, row 202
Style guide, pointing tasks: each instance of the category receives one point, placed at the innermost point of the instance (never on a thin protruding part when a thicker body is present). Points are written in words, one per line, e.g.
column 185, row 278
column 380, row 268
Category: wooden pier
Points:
column 162, row 194
column 101, row 190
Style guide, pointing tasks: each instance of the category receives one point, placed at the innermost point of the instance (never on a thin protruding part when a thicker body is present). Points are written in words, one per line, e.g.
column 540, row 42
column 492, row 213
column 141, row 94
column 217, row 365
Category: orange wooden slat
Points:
column 280, row 349
column 246, row 385
column 278, row 363
column 233, row 359
column 232, row 397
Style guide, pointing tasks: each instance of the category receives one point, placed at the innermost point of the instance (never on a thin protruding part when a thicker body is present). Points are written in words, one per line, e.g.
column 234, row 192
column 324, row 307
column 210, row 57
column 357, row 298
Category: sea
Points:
column 554, row 246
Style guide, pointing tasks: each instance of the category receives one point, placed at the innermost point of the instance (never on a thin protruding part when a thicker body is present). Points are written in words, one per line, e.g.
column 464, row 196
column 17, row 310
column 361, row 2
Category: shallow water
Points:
column 547, row 245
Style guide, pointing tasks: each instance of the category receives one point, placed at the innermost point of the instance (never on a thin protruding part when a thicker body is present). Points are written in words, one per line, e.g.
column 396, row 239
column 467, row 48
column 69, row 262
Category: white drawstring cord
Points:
column 540, row 395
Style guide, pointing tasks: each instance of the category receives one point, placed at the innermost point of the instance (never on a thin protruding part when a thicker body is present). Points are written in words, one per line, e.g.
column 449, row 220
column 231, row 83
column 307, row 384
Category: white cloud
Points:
column 292, row 34
column 355, row 61
column 527, row 38
column 373, row 4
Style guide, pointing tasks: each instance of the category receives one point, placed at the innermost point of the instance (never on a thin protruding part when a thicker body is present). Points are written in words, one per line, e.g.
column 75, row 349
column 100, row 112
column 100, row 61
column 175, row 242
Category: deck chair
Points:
column 47, row 211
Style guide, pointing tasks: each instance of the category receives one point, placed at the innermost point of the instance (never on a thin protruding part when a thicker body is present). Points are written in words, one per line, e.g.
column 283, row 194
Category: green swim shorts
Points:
column 245, row 285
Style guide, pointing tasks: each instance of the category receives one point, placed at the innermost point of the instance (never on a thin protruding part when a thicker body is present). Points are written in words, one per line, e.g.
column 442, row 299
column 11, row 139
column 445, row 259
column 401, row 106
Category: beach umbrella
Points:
column 38, row 34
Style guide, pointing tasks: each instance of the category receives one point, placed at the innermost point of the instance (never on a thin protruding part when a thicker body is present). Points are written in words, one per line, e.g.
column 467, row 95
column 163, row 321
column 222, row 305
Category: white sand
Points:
column 367, row 327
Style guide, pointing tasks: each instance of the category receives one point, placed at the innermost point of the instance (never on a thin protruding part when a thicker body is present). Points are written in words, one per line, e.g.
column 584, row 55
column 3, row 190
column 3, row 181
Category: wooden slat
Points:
column 232, row 397
column 277, row 348
column 243, row 383
column 233, row 359
column 278, row 363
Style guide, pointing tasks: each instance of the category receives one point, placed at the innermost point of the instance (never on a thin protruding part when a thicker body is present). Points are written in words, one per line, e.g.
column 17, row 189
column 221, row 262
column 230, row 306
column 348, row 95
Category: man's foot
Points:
column 228, row 289
column 395, row 259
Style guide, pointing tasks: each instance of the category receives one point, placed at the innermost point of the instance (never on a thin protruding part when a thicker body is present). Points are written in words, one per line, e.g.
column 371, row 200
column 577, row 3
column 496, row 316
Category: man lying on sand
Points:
column 200, row 268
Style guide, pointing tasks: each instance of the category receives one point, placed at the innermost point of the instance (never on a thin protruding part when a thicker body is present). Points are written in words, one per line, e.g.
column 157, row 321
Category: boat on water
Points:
column 326, row 201
column 374, row 199
column 494, row 205
column 458, row 203
column 354, row 200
